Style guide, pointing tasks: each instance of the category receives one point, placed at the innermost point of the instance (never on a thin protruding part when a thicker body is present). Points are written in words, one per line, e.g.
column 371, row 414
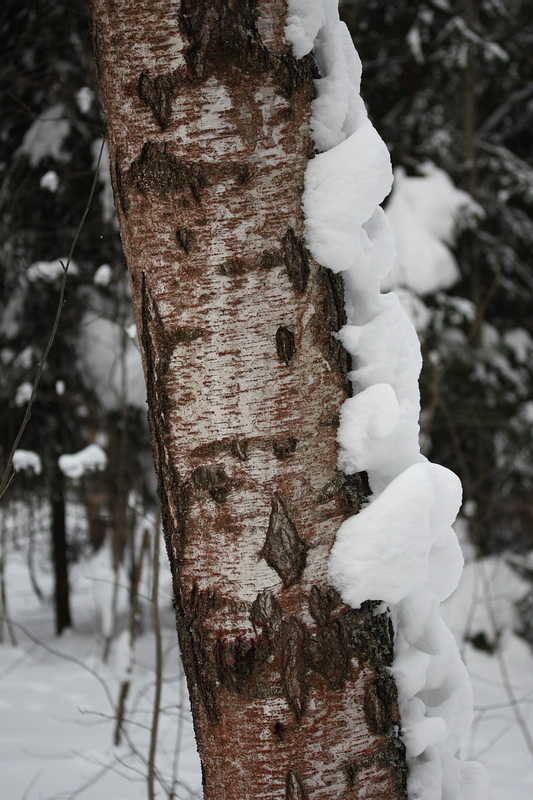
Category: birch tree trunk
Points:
column 207, row 114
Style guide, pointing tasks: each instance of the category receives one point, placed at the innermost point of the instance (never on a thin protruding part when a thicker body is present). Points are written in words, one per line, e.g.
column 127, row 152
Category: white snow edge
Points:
column 400, row 548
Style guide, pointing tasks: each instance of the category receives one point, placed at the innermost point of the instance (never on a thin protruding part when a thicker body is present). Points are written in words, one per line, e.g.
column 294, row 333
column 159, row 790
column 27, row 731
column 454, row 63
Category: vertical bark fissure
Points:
column 208, row 113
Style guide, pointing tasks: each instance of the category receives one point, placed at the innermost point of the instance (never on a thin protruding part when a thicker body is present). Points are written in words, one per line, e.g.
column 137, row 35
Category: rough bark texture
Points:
column 207, row 114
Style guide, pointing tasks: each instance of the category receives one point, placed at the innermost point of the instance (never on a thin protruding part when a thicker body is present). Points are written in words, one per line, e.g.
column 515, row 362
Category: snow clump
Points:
column 424, row 212
column 400, row 548
column 90, row 459
column 27, row 461
column 50, row 271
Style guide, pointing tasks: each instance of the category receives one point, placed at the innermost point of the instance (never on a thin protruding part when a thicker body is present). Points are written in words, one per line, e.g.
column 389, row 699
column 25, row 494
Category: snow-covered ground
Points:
column 57, row 698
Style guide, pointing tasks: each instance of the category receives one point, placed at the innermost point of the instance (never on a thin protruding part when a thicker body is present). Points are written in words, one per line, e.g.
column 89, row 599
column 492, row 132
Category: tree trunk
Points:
column 207, row 113
column 59, row 554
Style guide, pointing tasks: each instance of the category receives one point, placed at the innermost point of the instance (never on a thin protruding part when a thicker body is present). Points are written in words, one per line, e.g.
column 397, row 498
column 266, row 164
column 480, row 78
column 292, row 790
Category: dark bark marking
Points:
column 269, row 259
column 379, row 704
column 294, row 666
column 239, row 265
column 336, row 312
column 157, row 170
column 242, row 174
column 284, row 447
column 158, row 94
column 351, row 491
column 284, row 550
column 389, row 760
column 334, row 315
column 235, row 266
column 213, row 480
column 236, row 661
column 351, row 772
column 294, row 788
column 279, row 731
column 198, row 648
column 186, row 335
column 266, row 613
column 294, row 74
column 222, row 34
column 239, row 449
column 285, row 344
column 185, row 239
column 296, row 260
column 330, row 648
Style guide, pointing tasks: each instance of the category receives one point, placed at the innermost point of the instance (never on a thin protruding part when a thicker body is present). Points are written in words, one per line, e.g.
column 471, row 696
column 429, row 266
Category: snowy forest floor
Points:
column 58, row 698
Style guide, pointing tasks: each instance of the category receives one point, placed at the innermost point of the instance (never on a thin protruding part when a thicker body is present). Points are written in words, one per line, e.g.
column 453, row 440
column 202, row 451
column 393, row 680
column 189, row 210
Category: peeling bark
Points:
column 208, row 124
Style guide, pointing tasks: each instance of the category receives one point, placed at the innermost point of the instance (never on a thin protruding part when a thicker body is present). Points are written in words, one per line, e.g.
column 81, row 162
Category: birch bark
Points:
column 207, row 114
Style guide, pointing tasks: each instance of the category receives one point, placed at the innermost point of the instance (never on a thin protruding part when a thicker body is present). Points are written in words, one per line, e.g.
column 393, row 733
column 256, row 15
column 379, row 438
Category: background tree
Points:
column 451, row 83
column 51, row 138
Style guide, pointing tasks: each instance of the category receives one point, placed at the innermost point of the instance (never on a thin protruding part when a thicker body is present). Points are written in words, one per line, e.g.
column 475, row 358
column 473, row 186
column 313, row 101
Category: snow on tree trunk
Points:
column 208, row 114
column 400, row 548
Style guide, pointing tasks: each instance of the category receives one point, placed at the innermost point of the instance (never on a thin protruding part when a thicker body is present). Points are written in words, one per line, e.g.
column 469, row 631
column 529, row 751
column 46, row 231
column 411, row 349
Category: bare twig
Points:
column 132, row 637
column 506, row 679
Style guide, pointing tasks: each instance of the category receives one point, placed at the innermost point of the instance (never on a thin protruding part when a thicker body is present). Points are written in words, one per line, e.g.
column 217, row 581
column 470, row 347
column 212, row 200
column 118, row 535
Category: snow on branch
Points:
column 90, row 459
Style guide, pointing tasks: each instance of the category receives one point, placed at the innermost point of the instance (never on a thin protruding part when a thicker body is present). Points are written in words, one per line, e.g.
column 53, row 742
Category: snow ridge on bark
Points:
column 400, row 548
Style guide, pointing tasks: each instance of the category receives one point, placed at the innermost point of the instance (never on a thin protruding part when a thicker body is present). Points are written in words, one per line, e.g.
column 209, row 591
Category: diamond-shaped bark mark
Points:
column 283, row 550
column 285, row 344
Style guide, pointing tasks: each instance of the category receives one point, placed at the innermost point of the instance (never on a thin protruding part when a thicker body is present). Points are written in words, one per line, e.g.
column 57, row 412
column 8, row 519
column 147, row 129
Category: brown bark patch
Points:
column 351, row 492
column 222, row 34
column 266, row 613
column 197, row 648
column 269, row 259
column 158, row 94
column 292, row 75
column 334, row 315
column 212, row 479
column 238, row 661
column 329, row 649
column 241, row 265
column 157, row 170
column 380, row 701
